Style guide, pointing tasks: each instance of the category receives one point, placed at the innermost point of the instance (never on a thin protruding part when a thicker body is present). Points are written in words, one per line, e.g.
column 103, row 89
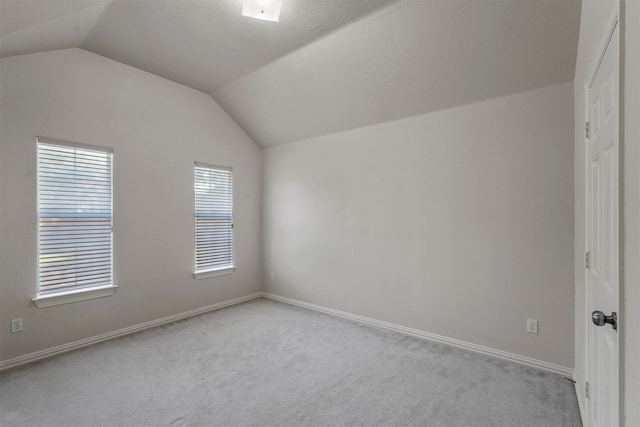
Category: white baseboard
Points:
column 53, row 351
column 534, row 363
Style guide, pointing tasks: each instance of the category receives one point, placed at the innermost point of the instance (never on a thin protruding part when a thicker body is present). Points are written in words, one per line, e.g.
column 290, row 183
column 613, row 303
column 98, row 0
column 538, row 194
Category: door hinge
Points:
column 586, row 130
column 587, row 260
column 586, row 390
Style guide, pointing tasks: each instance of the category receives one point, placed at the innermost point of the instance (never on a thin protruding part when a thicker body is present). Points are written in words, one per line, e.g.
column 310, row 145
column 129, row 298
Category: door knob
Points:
column 599, row 319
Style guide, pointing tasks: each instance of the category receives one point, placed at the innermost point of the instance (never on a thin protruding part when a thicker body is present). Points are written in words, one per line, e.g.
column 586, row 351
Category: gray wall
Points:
column 458, row 222
column 157, row 129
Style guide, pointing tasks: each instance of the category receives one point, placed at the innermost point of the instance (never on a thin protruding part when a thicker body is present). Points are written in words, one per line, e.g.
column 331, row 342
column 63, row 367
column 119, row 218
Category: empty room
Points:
column 320, row 212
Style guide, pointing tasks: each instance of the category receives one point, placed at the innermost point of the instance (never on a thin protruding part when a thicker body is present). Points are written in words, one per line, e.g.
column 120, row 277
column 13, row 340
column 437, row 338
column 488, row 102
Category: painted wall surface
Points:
column 631, row 224
column 157, row 129
column 458, row 222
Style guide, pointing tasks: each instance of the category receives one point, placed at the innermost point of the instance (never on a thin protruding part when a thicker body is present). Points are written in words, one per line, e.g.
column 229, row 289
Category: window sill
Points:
column 73, row 296
column 213, row 273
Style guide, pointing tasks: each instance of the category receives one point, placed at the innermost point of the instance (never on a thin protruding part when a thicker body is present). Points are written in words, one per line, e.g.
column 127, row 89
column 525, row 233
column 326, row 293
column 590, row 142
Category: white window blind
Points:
column 213, row 218
column 75, row 216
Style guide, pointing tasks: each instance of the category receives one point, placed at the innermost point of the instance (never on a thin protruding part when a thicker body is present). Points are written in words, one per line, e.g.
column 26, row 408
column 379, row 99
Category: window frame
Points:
column 222, row 270
column 82, row 293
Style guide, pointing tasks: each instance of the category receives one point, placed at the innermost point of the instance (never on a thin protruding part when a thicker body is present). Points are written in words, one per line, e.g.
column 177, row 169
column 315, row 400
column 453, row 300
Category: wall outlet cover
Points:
column 16, row 325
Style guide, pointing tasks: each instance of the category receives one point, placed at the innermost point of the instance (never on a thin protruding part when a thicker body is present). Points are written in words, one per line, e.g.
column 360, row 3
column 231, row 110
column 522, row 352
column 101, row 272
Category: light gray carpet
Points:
column 266, row 363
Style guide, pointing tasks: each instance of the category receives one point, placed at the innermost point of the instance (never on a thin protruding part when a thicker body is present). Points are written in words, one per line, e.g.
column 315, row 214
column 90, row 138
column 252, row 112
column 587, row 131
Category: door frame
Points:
column 613, row 25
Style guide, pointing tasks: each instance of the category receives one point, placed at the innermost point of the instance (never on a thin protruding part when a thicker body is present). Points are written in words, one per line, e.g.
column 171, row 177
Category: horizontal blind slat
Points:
column 77, row 267
column 213, row 217
column 75, row 217
column 56, row 278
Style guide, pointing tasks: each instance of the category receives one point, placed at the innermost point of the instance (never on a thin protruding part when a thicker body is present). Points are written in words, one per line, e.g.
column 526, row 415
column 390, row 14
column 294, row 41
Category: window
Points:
column 213, row 220
column 74, row 222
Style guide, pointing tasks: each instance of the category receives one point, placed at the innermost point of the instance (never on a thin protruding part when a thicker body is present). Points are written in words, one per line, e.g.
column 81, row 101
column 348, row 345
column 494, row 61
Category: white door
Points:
column 603, row 239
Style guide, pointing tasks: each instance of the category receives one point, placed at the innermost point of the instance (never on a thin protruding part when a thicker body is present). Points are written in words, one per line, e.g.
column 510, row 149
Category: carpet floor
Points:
column 264, row 363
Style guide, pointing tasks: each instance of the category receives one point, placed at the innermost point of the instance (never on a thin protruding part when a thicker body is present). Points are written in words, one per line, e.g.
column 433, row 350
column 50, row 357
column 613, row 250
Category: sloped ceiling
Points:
column 18, row 14
column 328, row 65
column 206, row 44
column 29, row 26
column 413, row 57
column 203, row 44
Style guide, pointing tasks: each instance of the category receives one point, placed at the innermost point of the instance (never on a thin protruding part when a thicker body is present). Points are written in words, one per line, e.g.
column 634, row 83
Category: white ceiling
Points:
column 18, row 14
column 203, row 44
column 410, row 58
column 328, row 65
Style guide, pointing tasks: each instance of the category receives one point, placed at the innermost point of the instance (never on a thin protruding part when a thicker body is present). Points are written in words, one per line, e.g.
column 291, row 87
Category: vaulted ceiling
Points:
column 328, row 65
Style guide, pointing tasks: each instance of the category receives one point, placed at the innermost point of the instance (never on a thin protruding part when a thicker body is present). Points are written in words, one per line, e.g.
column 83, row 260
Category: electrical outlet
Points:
column 16, row 325
column 273, row 276
column 532, row 326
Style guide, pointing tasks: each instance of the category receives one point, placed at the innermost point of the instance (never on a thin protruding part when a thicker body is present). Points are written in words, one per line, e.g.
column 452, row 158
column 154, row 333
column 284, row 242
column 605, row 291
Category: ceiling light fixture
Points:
column 267, row 10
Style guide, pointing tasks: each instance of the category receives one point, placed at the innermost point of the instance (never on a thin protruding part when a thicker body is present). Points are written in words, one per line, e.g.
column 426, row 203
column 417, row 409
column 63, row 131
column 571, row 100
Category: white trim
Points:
column 613, row 24
column 611, row 28
column 534, row 363
column 581, row 402
column 52, row 141
column 210, row 166
column 58, row 298
column 53, row 351
column 213, row 273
